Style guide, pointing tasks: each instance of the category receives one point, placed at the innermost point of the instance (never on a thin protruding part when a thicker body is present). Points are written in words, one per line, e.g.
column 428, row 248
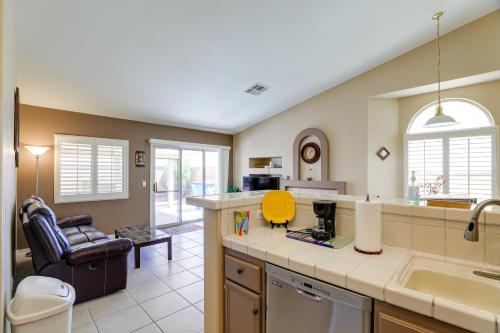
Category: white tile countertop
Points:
column 371, row 275
column 398, row 206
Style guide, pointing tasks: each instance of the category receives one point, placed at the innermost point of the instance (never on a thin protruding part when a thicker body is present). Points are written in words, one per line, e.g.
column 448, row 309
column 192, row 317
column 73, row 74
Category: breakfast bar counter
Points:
column 428, row 236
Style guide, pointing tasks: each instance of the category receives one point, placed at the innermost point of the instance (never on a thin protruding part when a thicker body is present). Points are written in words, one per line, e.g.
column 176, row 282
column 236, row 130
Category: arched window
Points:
column 458, row 160
column 467, row 113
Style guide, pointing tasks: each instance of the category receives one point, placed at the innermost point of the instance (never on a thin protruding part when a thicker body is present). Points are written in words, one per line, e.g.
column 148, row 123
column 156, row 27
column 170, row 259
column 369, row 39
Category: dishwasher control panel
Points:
column 312, row 287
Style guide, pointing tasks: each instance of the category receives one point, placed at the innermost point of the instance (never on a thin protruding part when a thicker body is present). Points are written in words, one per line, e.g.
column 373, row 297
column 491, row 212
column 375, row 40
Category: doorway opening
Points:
column 179, row 171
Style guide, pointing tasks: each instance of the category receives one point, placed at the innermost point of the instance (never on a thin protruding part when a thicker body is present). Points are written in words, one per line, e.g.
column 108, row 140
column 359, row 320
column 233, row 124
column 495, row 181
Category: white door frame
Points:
column 152, row 198
column 178, row 145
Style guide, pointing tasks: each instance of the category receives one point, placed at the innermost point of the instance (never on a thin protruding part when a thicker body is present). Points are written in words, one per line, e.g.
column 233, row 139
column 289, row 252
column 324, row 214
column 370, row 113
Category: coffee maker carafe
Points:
column 325, row 212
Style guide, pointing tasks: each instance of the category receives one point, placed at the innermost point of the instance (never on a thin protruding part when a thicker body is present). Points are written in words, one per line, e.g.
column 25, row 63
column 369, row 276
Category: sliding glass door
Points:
column 178, row 173
column 192, row 183
column 166, row 187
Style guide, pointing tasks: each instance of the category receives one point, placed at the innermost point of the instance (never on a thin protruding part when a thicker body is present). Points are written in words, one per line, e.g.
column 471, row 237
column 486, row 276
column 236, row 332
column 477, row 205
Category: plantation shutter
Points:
column 471, row 166
column 425, row 157
column 110, row 169
column 75, row 175
column 90, row 169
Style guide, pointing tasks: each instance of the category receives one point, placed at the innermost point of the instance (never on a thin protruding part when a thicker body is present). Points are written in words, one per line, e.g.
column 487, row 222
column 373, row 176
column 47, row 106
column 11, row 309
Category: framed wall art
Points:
column 140, row 159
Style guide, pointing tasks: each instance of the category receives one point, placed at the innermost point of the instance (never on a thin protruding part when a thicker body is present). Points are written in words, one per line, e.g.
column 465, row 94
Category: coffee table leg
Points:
column 169, row 245
column 137, row 255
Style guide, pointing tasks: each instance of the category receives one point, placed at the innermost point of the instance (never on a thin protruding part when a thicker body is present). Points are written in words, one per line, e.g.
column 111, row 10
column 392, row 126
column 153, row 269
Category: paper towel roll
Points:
column 368, row 234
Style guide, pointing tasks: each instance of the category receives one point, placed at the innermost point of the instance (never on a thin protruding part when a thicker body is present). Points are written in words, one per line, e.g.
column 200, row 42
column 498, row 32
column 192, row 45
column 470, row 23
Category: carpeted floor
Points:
column 182, row 229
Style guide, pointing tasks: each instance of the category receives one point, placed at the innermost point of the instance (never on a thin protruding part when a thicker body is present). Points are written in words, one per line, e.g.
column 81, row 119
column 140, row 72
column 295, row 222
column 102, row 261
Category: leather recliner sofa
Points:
column 72, row 250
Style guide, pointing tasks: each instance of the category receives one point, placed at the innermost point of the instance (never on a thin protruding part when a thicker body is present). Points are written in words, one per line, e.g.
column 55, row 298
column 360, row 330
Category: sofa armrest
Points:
column 73, row 221
column 99, row 251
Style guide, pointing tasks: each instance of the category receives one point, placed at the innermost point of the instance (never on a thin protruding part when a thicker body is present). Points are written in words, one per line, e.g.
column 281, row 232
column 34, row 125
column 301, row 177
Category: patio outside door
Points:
column 166, row 187
column 178, row 174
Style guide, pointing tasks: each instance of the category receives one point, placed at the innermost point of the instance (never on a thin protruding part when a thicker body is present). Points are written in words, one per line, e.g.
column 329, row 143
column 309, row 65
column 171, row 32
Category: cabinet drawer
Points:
column 243, row 273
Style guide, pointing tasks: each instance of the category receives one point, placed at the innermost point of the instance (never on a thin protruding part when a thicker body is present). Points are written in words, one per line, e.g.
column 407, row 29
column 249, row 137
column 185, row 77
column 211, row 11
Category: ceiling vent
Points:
column 257, row 89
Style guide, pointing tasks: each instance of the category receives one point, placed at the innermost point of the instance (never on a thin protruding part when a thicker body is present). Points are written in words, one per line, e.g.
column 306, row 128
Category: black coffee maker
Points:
column 325, row 212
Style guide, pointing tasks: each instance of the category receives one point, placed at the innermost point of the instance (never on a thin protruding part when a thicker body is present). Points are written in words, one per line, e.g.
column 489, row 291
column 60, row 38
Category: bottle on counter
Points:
column 413, row 194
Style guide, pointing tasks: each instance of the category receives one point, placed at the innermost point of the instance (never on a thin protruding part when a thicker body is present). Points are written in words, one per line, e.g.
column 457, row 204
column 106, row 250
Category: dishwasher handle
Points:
column 308, row 295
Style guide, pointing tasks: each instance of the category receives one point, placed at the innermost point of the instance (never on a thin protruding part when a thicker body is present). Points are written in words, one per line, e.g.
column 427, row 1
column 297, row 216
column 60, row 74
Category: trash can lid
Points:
column 38, row 297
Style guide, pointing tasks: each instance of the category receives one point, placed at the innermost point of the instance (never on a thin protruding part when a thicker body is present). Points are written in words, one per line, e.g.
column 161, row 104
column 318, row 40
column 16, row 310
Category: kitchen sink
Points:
column 454, row 282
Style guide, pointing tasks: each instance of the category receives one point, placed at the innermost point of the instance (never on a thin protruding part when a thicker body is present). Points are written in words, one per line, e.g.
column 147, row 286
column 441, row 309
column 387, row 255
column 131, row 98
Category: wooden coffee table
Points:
column 144, row 235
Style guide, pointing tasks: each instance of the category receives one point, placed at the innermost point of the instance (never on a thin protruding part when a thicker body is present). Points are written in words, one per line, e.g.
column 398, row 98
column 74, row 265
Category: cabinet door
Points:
column 243, row 313
column 390, row 324
column 392, row 319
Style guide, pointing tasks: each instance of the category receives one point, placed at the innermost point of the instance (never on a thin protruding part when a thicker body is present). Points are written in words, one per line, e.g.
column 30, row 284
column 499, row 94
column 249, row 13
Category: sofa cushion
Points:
column 71, row 231
column 73, row 221
column 95, row 235
column 78, row 238
column 43, row 209
column 101, row 249
column 46, row 238
column 29, row 201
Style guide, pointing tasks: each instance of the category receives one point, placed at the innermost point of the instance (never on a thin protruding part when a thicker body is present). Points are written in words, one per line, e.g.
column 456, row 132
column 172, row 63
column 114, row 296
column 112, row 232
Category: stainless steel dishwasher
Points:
column 298, row 304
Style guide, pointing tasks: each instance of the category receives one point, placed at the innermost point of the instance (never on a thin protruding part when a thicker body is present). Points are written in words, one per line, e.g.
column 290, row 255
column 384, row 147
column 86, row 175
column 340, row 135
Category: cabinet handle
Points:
column 240, row 270
column 255, row 311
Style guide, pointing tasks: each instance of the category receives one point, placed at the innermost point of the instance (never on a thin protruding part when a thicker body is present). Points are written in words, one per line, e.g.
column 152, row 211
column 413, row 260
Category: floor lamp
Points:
column 37, row 151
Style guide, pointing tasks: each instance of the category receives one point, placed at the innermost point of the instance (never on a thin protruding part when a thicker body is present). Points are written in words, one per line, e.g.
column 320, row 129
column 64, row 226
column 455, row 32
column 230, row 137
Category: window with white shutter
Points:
column 75, row 169
column 90, row 169
column 425, row 159
column 460, row 160
column 471, row 166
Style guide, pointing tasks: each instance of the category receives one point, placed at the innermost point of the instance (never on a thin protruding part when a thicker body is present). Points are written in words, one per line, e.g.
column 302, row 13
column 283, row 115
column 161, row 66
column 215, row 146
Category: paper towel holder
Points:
column 367, row 199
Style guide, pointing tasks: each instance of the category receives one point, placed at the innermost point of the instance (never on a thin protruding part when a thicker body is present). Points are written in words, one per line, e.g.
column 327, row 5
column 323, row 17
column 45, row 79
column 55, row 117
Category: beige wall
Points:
column 38, row 126
column 341, row 112
column 383, row 131
column 487, row 94
column 7, row 164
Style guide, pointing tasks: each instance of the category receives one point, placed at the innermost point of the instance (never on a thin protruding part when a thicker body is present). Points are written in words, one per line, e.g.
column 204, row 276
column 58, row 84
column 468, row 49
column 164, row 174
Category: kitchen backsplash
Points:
column 429, row 229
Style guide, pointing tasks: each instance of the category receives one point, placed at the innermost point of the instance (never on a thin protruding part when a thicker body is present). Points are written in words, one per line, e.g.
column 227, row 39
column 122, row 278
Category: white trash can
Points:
column 41, row 305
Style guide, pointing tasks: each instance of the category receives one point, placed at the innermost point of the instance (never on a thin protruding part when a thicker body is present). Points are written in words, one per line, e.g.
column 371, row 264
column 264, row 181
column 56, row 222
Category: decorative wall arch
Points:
column 323, row 183
column 323, row 160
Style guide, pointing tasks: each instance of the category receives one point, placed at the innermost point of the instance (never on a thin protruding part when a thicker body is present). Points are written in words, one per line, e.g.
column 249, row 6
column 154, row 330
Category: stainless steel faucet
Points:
column 472, row 230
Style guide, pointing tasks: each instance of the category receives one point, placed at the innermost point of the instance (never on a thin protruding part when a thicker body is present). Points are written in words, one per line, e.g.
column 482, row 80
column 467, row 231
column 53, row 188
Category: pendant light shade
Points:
column 439, row 119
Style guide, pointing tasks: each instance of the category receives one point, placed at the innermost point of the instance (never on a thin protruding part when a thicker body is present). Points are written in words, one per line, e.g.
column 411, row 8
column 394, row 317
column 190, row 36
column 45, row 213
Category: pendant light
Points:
column 439, row 119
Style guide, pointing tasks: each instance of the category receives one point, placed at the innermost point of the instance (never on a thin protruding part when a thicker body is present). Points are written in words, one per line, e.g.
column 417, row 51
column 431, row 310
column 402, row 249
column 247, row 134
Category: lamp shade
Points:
column 440, row 119
column 37, row 150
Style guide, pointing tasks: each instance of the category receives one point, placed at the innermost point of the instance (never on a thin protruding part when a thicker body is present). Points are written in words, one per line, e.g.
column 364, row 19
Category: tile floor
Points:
column 161, row 296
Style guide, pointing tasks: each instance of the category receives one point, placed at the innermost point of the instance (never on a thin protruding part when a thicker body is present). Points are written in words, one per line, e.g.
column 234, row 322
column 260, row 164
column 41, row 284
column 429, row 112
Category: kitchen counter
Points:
column 407, row 230
column 371, row 275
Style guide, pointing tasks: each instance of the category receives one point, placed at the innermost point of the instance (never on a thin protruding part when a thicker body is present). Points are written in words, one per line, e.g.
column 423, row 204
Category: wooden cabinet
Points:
column 392, row 319
column 244, row 308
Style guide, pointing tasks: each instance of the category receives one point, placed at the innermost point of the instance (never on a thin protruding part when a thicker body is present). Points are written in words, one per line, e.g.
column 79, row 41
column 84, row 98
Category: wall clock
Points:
column 310, row 153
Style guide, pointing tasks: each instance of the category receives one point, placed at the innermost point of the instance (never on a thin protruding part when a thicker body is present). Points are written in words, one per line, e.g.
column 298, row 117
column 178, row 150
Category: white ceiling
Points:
column 188, row 62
